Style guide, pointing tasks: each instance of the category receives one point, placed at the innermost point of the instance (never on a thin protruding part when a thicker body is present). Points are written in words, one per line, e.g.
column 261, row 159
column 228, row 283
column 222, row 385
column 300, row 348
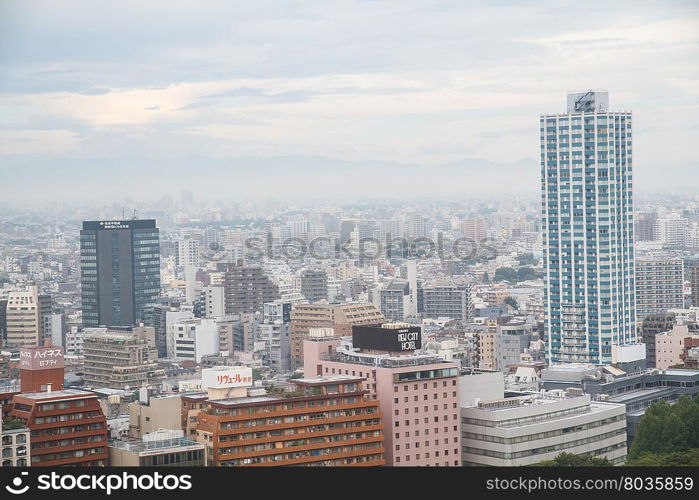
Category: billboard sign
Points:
column 41, row 358
column 225, row 377
column 387, row 339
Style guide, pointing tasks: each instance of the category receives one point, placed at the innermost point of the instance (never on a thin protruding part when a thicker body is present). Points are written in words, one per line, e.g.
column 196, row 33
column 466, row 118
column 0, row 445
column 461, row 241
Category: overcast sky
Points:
column 423, row 82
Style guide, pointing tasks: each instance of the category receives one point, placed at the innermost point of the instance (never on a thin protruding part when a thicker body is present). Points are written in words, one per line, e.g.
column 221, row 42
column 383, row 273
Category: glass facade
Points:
column 120, row 271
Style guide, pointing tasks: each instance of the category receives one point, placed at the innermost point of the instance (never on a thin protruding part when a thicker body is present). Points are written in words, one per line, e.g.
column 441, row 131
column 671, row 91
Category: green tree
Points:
column 526, row 273
column 486, row 278
column 687, row 458
column 505, row 274
column 512, row 302
column 572, row 460
column 688, row 412
column 661, row 430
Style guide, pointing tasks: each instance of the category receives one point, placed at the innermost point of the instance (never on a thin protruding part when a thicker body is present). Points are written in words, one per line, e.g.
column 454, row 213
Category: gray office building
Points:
column 659, row 286
column 448, row 302
column 314, row 285
column 120, row 271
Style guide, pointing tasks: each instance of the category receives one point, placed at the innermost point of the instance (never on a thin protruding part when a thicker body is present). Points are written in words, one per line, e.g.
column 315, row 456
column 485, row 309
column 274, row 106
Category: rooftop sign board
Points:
column 41, row 358
column 387, row 339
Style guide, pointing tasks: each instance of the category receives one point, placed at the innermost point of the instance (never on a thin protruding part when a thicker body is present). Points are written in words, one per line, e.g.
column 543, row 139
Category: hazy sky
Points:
column 423, row 82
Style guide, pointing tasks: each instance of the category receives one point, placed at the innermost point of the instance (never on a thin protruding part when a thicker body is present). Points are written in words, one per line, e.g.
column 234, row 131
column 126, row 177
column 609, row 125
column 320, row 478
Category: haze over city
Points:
column 375, row 233
column 311, row 97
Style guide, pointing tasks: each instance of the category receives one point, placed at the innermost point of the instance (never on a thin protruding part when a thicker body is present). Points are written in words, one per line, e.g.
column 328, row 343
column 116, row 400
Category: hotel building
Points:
column 417, row 391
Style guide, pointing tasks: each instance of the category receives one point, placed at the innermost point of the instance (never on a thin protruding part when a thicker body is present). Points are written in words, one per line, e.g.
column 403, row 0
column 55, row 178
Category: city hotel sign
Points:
column 407, row 338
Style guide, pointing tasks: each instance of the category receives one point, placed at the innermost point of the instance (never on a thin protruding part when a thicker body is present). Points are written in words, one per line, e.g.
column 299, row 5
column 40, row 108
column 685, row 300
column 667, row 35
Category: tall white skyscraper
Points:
column 587, row 224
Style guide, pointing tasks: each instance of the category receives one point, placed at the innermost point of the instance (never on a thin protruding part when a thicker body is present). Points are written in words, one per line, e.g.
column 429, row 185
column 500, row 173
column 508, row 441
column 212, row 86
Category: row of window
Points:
column 542, row 435
column 525, row 420
column 67, row 454
column 548, row 449
column 307, row 453
column 426, row 420
column 297, row 418
column 300, row 430
column 301, row 442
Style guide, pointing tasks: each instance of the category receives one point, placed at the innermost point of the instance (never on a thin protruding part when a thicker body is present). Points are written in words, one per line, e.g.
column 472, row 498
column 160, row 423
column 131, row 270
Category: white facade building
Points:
column 535, row 427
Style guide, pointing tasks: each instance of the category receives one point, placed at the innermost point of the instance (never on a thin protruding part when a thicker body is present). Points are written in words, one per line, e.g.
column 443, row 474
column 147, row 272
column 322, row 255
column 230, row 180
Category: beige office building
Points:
column 340, row 317
column 121, row 358
column 24, row 325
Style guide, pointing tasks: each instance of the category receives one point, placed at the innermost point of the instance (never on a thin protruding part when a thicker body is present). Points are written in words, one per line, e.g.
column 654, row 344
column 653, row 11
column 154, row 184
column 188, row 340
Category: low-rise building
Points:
column 16, row 446
column 670, row 345
column 531, row 428
column 163, row 448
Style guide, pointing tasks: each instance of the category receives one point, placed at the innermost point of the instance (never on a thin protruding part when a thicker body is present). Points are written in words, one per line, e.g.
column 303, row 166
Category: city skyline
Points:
column 322, row 234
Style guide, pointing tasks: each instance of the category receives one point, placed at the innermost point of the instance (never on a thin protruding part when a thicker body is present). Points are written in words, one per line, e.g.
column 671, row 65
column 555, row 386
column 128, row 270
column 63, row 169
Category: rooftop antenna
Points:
column 123, row 213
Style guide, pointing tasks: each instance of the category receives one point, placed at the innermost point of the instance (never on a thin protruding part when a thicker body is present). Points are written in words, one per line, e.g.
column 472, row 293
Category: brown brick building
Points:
column 67, row 427
column 326, row 422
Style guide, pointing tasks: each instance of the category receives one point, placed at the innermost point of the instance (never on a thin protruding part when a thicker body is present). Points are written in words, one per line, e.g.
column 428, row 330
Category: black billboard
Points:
column 98, row 225
column 387, row 339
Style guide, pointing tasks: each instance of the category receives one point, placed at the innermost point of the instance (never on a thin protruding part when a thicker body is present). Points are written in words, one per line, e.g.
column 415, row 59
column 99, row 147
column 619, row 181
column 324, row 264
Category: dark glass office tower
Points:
column 120, row 271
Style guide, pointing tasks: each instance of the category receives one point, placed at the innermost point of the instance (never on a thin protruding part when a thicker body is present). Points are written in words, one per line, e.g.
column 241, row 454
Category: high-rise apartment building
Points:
column 247, row 288
column 448, row 302
column 652, row 325
column 474, row 228
column 659, row 286
column 396, row 300
column 672, row 230
column 587, row 222
column 120, row 271
column 23, row 317
column 187, row 253
column 694, row 284
column 314, row 285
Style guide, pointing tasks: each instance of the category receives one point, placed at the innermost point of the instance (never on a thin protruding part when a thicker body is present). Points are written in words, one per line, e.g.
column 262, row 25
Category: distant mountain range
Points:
column 289, row 177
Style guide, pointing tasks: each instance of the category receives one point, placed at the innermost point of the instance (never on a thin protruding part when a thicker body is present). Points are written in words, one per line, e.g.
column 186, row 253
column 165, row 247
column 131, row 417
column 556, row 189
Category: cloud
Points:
column 392, row 80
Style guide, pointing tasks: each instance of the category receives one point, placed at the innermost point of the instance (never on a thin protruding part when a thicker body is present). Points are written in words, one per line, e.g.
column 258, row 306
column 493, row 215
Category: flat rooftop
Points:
column 150, row 446
column 57, row 394
column 247, row 400
column 640, row 393
column 327, row 379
